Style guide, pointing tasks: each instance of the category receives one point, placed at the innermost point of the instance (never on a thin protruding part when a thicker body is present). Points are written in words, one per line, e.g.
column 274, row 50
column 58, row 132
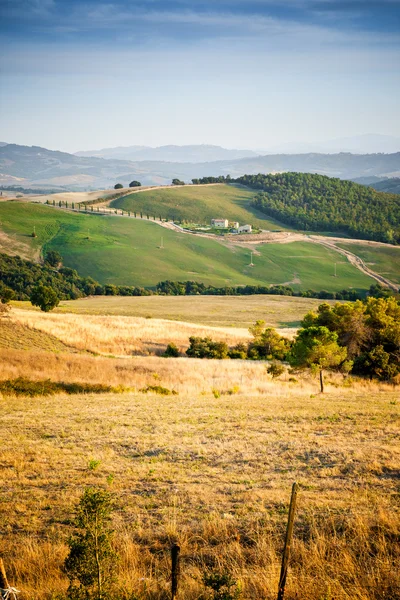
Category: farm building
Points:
column 223, row 223
column 244, row 229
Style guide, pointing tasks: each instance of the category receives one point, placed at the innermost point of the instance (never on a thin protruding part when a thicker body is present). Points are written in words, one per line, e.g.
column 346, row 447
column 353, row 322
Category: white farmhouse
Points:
column 222, row 223
column 244, row 229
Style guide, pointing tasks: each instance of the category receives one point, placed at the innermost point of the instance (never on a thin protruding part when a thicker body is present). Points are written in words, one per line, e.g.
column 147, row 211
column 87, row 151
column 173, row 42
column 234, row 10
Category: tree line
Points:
column 20, row 278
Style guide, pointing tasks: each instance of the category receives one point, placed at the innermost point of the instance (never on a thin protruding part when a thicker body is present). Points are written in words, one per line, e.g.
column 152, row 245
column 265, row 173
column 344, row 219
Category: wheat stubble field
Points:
column 211, row 470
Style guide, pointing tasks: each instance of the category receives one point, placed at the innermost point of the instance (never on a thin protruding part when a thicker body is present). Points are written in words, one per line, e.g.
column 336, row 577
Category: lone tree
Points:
column 316, row 348
column 44, row 297
column 135, row 184
column 90, row 563
column 118, row 186
column 53, row 258
column 177, row 182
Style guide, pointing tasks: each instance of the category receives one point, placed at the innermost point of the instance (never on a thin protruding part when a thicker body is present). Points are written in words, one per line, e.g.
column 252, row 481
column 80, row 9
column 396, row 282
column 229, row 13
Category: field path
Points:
column 356, row 261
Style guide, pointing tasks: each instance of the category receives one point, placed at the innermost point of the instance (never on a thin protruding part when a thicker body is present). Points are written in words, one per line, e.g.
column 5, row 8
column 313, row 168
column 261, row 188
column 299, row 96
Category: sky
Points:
column 88, row 74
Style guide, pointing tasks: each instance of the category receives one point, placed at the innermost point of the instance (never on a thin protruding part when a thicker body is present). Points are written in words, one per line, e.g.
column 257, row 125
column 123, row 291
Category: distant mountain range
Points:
column 361, row 144
column 185, row 154
column 35, row 166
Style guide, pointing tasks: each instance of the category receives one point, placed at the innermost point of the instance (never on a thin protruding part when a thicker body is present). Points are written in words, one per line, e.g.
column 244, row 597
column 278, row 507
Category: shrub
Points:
column 171, row 351
column 118, row 186
column 239, row 351
column 206, row 348
column 275, row 369
column 222, row 586
column 158, row 389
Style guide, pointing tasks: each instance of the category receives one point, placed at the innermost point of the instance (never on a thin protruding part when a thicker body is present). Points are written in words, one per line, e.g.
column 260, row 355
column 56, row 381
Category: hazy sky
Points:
column 85, row 74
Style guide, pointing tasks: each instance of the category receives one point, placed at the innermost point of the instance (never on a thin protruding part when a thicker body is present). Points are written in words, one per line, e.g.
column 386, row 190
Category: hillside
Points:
column 27, row 166
column 318, row 203
column 390, row 185
column 127, row 251
column 199, row 204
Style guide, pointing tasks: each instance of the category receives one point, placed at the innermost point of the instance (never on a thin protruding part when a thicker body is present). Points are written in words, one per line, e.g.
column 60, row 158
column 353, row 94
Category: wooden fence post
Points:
column 175, row 551
column 4, row 585
column 288, row 540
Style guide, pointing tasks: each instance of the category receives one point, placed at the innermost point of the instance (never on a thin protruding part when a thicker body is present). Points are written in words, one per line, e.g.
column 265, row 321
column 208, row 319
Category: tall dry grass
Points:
column 187, row 376
column 122, row 335
column 213, row 473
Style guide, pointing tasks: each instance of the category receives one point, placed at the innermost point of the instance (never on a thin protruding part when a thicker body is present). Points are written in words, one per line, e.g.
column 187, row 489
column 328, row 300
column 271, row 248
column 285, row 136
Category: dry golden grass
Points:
column 17, row 336
column 214, row 473
column 120, row 335
column 214, row 311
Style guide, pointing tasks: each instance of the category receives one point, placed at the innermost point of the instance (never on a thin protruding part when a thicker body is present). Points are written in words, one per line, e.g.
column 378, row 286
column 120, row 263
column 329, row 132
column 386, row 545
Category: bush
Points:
column 118, row 186
column 158, row 389
column 206, row 348
column 222, row 586
column 239, row 351
column 135, row 184
column 171, row 351
column 275, row 369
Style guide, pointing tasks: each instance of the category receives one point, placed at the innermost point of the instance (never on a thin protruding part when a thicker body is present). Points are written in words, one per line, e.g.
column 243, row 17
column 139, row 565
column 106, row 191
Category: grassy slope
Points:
column 200, row 204
column 20, row 337
column 122, row 251
column 385, row 261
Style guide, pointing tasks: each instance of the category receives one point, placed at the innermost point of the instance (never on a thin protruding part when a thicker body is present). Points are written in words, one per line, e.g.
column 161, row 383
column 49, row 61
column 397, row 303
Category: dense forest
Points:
column 319, row 203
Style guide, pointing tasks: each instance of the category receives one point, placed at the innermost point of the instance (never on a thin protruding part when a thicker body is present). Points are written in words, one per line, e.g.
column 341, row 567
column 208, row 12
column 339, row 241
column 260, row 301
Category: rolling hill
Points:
column 199, row 204
column 127, row 251
column 390, row 185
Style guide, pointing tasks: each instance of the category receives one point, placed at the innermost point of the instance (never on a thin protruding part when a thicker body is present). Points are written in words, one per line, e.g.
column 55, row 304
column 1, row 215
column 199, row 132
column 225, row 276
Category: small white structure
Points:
column 235, row 225
column 222, row 223
column 244, row 229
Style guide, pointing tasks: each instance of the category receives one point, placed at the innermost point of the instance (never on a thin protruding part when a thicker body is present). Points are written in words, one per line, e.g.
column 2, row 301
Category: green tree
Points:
column 90, row 563
column 118, row 186
column 53, row 258
column 135, row 183
column 177, row 182
column 44, row 297
column 206, row 348
column 317, row 348
column 267, row 343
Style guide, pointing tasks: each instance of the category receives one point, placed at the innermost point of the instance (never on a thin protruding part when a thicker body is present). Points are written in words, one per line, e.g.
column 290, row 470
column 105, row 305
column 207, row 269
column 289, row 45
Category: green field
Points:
column 200, row 204
column 126, row 251
column 385, row 261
